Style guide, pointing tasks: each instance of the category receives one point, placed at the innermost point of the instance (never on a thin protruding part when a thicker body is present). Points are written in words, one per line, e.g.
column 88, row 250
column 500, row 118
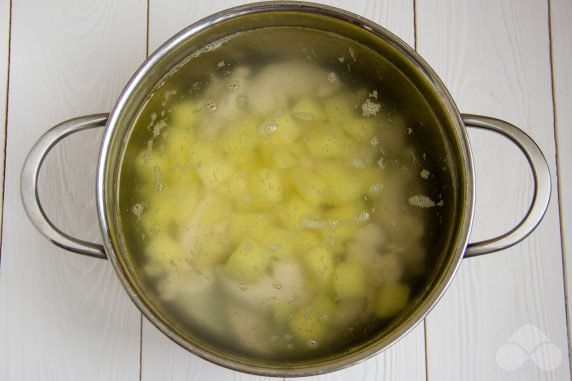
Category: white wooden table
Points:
column 66, row 317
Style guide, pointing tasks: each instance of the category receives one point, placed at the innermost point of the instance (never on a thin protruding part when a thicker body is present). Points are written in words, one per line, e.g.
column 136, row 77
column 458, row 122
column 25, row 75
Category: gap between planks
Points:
column 558, row 182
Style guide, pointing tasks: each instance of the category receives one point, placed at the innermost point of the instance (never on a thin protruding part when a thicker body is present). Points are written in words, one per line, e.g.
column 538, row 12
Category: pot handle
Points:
column 542, row 185
column 29, row 185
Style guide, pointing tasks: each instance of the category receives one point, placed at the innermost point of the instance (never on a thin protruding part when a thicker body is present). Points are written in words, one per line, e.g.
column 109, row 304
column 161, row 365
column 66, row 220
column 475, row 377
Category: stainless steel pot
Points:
column 259, row 15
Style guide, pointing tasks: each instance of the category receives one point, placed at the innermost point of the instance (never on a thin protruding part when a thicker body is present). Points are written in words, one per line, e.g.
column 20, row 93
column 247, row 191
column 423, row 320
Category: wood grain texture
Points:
column 161, row 357
column 494, row 58
column 561, row 36
column 4, row 46
column 63, row 316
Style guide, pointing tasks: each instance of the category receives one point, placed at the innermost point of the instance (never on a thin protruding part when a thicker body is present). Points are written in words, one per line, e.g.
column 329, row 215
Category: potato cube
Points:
column 361, row 129
column 278, row 157
column 235, row 187
column 329, row 141
column 278, row 241
column 208, row 249
column 310, row 325
column 309, row 109
column 215, row 172
column 157, row 217
column 311, row 187
column 294, row 211
column 266, row 186
column 343, row 184
column 186, row 114
column 164, row 252
column 213, row 210
column 304, row 240
column 281, row 129
column 350, row 280
column 320, row 265
column 391, row 298
column 248, row 225
column 239, row 137
column 248, row 262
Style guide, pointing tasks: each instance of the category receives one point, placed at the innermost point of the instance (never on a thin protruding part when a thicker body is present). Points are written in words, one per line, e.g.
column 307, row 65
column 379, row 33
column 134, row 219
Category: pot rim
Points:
column 467, row 209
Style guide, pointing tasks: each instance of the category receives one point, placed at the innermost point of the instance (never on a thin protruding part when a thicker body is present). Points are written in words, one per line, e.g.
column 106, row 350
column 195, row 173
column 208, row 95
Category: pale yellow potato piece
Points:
column 350, row 280
column 319, row 263
column 372, row 180
column 278, row 241
column 239, row 137
column 163, row 255
column 280, row 129
column 278, row 156
column 294, row 211
column 215, row 171
column 248, row 225
column 391, row 298
column 328, row 141
column 310, row 186
column 305, row 240
column 309, row 110
column 344, row 186
column 361, row 129
column 248, row 262
column 266, row 186
column 186, row 114
column 310, row 325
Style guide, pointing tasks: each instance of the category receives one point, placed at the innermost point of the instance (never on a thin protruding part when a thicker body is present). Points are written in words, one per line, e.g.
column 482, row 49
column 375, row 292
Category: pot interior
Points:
column 422, row 211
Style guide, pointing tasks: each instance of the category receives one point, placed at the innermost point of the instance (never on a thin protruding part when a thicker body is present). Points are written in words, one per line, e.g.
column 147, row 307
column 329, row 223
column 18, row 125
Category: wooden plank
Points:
column 4, row 54
column 561, row 14
column 494, row 58
column 161, row 357
column 64, row 316
column 397, row 16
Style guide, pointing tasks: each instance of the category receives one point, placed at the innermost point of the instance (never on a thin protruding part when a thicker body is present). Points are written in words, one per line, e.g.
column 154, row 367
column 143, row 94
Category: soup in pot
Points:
column 280, row 195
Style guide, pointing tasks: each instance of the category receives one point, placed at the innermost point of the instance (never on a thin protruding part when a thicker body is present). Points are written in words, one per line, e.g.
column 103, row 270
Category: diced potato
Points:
column 310, row 325
column 182, row 202
column 278, row 157
column 304, row 240
column 391, row 298
column 309, row 110
column 163, row 254
column 215, row 172
column 320, row 264
column 279, row 130
column 348, row 312
column 212, row 211
column 209, row 249
column 350, row 280
column 294, row 211
column 235, row 187
column 248, row 262
column 311, row 187
column 266, row 186
column 186, row 115
column 326, row 142
column 239, row 137
column 248, row 225
column 361, row 129
column 343, row 184
column 278, row 241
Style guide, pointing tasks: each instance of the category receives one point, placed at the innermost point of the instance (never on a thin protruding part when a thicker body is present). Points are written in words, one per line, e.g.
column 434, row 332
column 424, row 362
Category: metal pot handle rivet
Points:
column 542, row 186
column 29, row 185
